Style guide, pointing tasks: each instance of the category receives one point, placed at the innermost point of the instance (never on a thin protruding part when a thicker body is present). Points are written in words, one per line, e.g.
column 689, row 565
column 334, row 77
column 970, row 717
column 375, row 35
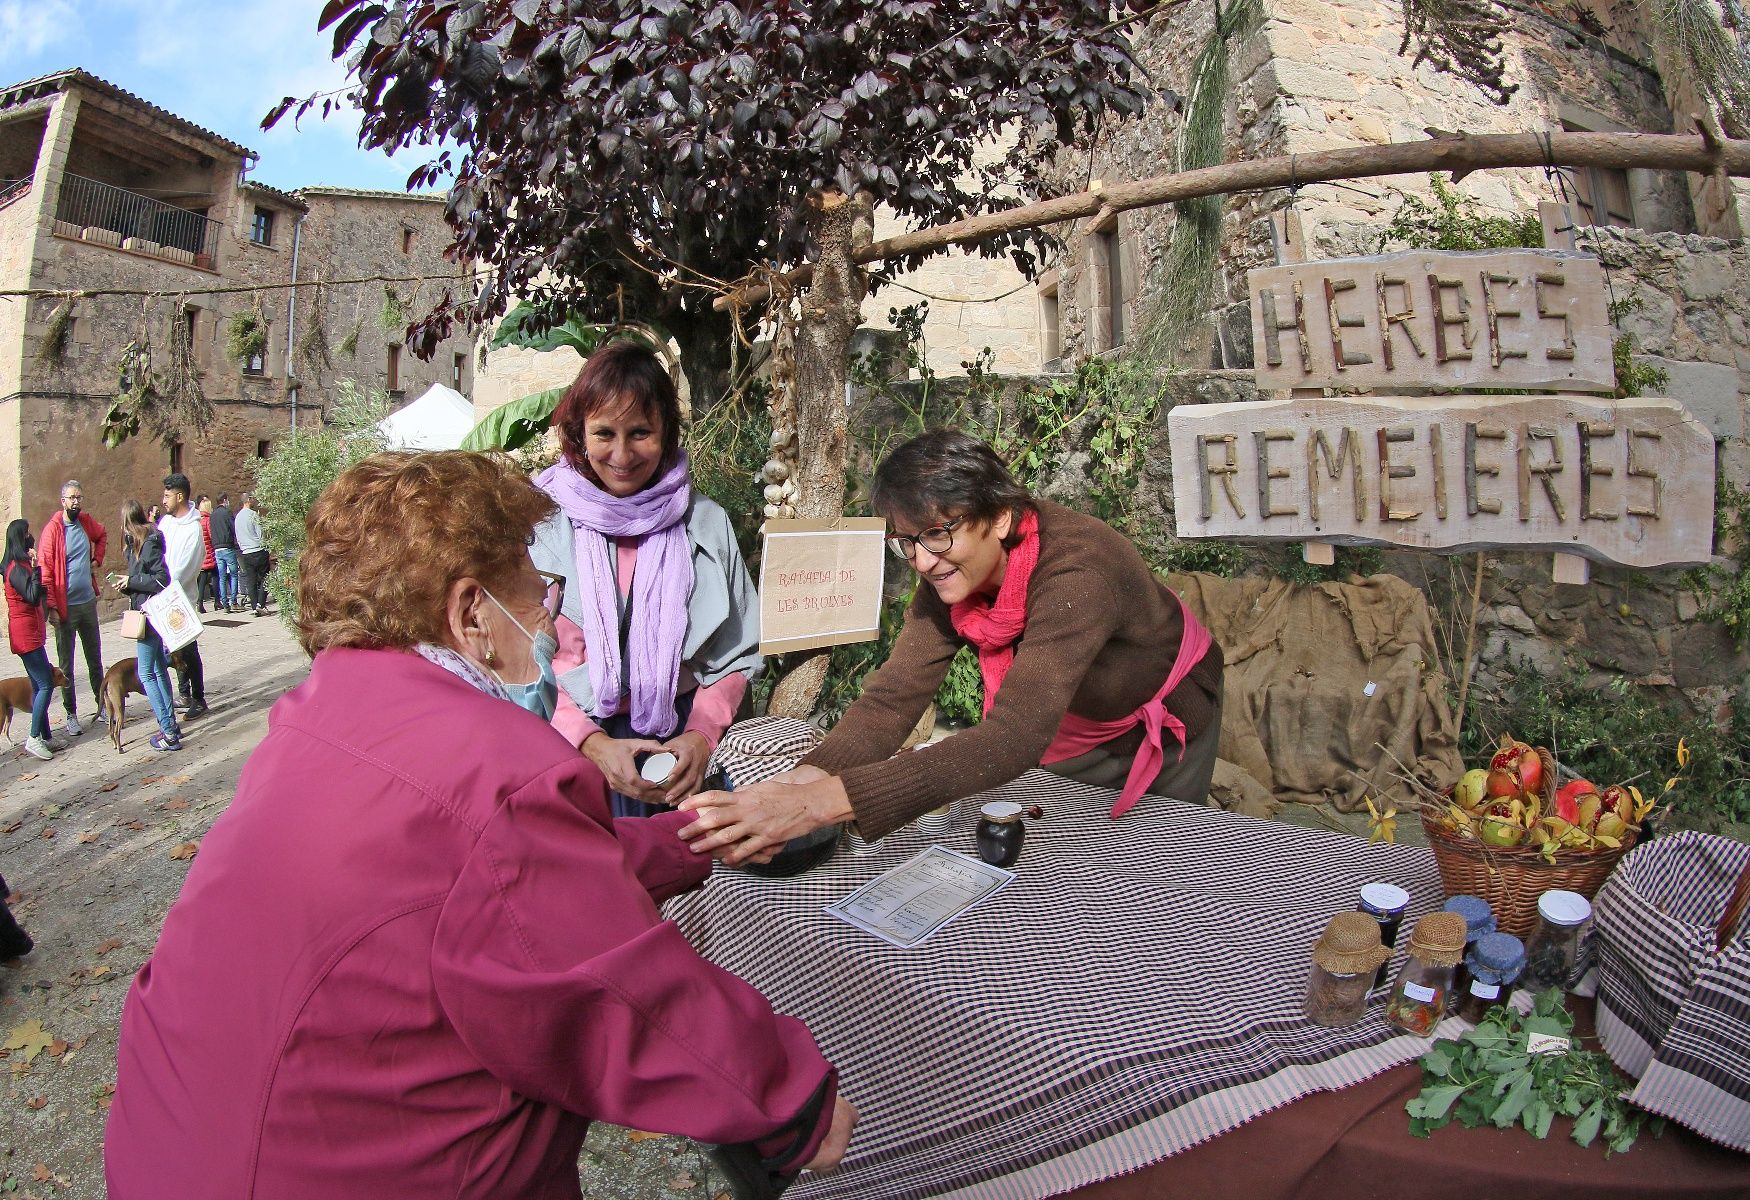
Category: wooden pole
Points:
column 1458, row 153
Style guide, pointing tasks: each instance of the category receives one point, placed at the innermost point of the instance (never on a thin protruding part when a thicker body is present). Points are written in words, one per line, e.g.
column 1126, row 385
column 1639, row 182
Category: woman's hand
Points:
column 838, row 1136
column 758, row 819
column 692, row 752
column 613, row 756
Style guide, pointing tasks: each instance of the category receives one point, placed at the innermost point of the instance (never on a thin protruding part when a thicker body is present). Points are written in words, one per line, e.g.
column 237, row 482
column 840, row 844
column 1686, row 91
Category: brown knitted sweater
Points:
column 1102, row 633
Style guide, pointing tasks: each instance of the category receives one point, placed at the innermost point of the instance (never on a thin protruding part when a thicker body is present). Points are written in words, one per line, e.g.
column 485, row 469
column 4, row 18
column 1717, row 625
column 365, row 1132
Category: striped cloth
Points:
column 1672, row 1008
column 1137, row 990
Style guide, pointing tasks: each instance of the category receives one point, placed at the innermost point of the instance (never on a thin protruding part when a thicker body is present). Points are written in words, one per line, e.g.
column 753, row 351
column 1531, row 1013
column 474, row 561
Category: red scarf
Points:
column 994, row 626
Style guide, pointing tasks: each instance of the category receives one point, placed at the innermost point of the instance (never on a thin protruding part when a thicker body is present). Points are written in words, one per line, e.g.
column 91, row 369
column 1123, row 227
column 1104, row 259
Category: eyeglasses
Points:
column 938, row 539
column 555, row 585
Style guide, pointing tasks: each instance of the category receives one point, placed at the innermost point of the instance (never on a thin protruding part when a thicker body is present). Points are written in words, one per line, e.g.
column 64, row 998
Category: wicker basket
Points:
column 1512, row 878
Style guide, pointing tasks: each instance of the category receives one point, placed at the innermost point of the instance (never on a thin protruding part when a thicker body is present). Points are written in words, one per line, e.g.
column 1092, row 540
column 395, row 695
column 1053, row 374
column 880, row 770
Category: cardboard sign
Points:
column 820, row 583
column 1497, row 318
column 1622, row 481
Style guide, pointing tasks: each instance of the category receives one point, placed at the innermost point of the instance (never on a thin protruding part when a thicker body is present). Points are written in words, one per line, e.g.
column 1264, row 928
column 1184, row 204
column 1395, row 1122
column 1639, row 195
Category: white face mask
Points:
column 539, row 695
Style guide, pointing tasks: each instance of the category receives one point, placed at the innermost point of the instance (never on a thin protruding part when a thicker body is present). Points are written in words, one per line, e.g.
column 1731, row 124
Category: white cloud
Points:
column 29, row 27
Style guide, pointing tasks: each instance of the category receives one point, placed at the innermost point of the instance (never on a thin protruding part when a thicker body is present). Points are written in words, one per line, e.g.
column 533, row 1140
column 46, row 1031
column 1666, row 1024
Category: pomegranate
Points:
column 1472, row 787
column 1501, row 784
column 1522, row 762
column 1568, row 799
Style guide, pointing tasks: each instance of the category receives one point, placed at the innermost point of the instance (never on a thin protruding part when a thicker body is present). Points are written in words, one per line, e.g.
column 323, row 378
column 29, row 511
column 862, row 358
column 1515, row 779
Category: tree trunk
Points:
column 830, row 311
column 703, row 336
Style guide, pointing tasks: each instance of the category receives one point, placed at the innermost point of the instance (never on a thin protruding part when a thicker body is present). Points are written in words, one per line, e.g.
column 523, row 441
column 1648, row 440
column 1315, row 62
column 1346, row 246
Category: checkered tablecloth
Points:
column 1137, row 990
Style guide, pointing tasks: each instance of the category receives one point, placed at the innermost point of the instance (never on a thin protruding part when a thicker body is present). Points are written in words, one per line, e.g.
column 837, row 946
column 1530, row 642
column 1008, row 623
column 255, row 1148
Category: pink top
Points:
column 416, row 957
column 714, row 704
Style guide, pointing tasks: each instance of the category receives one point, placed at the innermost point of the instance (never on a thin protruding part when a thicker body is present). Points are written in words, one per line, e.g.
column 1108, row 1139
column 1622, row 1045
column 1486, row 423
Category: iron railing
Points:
column 12, row 189
column 90, row 204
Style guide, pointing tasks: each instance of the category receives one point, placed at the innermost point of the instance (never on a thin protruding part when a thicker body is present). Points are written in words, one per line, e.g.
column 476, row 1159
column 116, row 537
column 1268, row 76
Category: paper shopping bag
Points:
column 172, row 615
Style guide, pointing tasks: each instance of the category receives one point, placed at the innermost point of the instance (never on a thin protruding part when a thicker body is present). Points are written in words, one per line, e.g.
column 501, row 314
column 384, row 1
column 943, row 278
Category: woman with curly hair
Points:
column 417, row 956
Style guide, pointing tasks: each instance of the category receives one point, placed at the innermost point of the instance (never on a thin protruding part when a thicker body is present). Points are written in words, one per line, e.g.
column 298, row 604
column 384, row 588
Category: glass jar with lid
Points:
column 1479, row 919
column 1001, row 832
column 1418, row 998
column 1493, row 964
column 1343, row 962
column 1552, row 958
column 1385, row 903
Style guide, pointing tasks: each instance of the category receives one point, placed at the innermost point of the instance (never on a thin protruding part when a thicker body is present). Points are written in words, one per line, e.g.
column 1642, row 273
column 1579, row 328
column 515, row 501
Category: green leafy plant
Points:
column 1490, row 1076
column 1724, row 591
column 960, row 699
column 288, row 483
column 392, row 318
column 1455, row 221
column 245, row 337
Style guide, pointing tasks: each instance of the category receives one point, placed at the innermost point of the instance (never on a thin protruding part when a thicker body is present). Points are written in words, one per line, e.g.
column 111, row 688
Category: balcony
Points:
column 112, row 216
column 13, row 189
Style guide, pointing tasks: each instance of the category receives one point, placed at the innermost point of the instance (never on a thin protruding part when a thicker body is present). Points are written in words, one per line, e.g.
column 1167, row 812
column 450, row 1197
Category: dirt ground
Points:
column 94, row 846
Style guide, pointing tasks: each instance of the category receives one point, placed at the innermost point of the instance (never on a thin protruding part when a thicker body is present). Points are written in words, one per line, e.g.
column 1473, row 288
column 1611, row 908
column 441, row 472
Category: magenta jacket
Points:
column 416, row 957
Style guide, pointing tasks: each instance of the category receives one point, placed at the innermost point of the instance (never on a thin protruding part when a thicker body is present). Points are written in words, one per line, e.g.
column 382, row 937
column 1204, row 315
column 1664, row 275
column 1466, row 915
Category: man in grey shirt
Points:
column 252, row 550
column 70, row 552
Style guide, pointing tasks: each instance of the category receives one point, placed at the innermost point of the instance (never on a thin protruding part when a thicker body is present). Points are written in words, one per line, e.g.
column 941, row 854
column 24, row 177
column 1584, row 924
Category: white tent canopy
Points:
column 438, row 420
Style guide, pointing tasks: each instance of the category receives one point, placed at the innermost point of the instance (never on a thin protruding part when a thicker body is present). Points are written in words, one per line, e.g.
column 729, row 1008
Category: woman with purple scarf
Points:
column 659, row 622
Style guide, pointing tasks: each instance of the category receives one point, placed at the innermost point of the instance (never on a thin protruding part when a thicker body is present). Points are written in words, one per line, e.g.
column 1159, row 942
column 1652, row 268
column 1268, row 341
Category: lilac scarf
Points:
column 661, row 587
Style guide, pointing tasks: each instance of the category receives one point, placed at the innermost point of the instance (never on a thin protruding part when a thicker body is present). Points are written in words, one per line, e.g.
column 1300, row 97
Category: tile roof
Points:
column 56, row 81
column 291, row 198
column 369, row 194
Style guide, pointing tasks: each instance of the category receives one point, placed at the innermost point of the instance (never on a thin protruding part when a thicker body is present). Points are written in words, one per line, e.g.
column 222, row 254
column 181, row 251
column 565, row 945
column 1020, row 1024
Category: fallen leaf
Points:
column 37, row 1103
column 176, row 780
column 42, row 1174
column 176, row 805
column 149, row 780
column 133, row 825
column 638, row 1135
column 108, row 944
column 89, row 836
column 27, row 776
column 184, row 851
column 57, row 1048
column 107, row 1089
column 80, row 1045
column 49, row 810
column 29, row 1037
column 683, row 1182
column 111, row 786
column 48, row 833
column 99, row 971
column 12, row 827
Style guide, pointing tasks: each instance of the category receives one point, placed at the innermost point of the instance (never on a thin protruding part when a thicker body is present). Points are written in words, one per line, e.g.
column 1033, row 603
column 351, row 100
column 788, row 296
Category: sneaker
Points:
column 261, row 612
column 99, row 719
column 39, row 748
column 15, row 943
column 56, row 742
column 197, row 709
column 166, row 745
column 72, row 728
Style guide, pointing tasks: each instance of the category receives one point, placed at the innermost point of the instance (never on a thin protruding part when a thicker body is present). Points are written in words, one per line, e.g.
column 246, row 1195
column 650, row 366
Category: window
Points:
column 1050, row 342
column 1114, row 254
column 457, row 367
column 1601, row 195
column 1105, row 287
column 256, row 364
column 176, row 458
column 261, row 229
column 406, row 240
column 394, row 370
column 263, row 448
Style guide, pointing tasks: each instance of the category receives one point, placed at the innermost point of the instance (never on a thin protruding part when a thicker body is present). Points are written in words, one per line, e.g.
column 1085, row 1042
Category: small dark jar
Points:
column 1000, row 832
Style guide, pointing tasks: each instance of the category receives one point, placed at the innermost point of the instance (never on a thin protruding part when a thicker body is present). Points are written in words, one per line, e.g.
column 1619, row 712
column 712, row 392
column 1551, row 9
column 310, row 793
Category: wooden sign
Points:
column 820, row 583
column 1624, row 481
column 1499, row 318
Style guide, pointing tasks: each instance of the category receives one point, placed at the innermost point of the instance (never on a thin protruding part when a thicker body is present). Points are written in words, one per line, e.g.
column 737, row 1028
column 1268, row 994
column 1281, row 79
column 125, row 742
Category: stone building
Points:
column 101, row 190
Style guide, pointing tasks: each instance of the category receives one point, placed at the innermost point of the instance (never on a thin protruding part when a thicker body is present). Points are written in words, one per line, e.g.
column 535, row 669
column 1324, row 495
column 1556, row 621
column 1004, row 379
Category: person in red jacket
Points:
column 71, row 551
column 209, row 585
column 26, row 631
column 467, row 963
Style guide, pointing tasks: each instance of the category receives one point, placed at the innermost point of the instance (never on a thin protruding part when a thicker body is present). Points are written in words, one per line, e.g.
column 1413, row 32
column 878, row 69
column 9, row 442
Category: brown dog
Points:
column 15, row 695
column 121, row 678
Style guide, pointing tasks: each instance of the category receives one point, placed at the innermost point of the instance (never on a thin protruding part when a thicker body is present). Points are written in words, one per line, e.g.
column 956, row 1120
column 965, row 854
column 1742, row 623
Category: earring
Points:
column 490, row 657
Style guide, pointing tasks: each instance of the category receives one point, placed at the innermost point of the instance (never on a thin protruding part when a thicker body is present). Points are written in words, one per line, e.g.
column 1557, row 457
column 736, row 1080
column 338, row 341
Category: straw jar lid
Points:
column 1439, row 939
column 1350, row 945
column 1479, row 918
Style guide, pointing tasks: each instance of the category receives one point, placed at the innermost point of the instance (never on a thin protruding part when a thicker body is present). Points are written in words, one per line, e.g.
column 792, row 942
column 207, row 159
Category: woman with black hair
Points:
column 27, row 628
column 1093, row 668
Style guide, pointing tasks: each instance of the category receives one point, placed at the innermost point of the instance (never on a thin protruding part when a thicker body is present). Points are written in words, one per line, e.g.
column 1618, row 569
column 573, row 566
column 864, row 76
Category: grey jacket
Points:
column 723, row 612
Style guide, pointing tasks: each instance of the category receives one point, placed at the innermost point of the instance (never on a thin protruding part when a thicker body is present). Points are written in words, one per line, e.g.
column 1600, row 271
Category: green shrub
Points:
column 1725, row 592
column 289, row 482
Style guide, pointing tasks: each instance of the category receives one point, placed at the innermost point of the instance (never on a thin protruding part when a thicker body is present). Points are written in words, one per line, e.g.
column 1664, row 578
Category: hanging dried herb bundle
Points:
column 393, row 317
column 246, row 336
column 53, row 348
column 136, row 393
column 1460, row 37
column 313, row 351
column 185, row 403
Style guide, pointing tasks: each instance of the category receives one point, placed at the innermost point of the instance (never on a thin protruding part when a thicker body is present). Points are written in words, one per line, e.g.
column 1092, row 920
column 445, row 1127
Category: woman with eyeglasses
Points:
column 658, row 621
column 1093, row 668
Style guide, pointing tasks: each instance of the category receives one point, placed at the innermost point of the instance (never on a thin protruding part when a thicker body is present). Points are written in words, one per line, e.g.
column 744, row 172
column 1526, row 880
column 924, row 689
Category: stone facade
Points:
column 125, row 196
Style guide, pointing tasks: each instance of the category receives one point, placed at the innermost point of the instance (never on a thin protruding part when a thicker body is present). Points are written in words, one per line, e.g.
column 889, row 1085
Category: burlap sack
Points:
column 1323, row 680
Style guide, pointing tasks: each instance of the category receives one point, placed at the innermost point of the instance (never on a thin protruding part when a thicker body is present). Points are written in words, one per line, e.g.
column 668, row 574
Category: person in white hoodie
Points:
column 184, row 550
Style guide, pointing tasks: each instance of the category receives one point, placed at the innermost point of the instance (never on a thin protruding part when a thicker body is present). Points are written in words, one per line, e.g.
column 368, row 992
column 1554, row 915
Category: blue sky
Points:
column 219, row 63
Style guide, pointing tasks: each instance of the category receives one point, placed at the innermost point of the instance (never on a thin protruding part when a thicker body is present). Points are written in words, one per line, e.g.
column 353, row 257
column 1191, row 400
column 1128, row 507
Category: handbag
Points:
column 1674, row 981
column 172, row 615
column 134, row 624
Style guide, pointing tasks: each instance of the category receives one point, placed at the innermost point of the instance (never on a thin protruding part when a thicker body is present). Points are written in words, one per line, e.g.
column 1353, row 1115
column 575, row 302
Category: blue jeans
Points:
column 225, row 562
column 154, row 672
column 42, row 689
